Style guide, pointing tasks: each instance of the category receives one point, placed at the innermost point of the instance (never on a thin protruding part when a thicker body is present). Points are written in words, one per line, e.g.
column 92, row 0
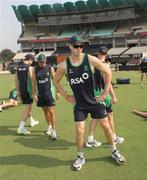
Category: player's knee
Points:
column 106, row 127
column 52, row 113
column 80, row 130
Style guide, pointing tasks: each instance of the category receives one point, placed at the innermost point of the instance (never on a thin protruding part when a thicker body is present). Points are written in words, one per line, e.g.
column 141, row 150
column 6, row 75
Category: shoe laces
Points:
column 49, row 129
column 94, row 141
column 117, row 154
column 78, row 159
column 25, row 129
column 118, row 138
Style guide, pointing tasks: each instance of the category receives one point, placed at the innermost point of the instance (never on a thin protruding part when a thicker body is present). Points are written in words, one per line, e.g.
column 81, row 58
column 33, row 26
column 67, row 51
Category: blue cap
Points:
column 76, row 39
column 103, row 49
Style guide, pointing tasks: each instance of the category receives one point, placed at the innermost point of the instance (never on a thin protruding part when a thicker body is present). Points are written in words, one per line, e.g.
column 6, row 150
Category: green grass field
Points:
column 36, row 157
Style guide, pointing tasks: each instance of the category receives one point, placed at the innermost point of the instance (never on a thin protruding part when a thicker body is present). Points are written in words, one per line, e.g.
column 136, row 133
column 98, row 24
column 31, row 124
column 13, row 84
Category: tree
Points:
column 6, row 55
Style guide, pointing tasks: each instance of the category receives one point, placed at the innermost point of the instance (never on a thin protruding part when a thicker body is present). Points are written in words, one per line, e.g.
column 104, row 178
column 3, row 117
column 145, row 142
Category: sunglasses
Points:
column 103, row 53
column 42, row 62
column 78, row 46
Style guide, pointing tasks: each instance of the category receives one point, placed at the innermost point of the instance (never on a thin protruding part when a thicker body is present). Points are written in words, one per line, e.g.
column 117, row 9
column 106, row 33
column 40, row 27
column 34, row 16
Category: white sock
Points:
column 80, row 154
column 31, row 119
column 114, row 136
column 90, row 138
column 22, row 124
column 113, row 148
column 49, row 127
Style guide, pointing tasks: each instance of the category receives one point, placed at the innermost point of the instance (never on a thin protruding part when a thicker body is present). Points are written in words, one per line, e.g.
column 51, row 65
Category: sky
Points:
column 10, row 27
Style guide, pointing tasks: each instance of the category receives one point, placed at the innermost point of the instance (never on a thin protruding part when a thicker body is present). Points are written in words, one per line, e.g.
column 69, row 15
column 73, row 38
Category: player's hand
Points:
column 57, row 96
column 114, row 100
column 101, row 97
column 35, row 97
column 70, row 99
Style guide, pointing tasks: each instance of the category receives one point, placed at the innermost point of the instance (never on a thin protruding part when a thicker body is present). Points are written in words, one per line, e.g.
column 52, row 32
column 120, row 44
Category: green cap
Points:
column 41, row 58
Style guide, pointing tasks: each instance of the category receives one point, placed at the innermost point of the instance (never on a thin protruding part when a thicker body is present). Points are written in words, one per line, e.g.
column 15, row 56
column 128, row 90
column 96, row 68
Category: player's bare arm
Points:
column 17, row 85
column 61, row 71
column 33, row 81
column 96, row 63
column 111, row 91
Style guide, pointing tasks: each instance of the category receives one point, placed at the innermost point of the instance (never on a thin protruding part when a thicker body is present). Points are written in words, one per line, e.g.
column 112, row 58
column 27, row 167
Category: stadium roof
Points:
column 127, row 51
column 30, row 13
column 21, row 55
column 116, row 51
column 136, row 50
column 69, row 7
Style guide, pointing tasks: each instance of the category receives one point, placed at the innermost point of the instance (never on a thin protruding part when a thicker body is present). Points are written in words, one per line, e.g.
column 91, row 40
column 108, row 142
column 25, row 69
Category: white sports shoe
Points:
column 34, row 123
column 1, row 109
column 119, row 140
column 93, row 143
column 78, row 163
column 53, row 134
column 23, row 131
column 118, row 157
column 49, row 131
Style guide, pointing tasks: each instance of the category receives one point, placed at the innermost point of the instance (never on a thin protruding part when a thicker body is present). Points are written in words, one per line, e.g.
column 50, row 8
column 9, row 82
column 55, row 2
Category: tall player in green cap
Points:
column 79, row 68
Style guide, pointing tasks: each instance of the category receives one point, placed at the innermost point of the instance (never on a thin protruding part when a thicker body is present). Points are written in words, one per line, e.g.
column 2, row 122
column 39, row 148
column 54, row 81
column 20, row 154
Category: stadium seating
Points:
column 68, row 33
column 113, row 23
column 103, row 31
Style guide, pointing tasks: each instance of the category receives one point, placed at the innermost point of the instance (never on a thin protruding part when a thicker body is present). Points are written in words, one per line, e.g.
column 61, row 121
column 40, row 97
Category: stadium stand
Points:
column 114, row 23
column 67, row 33
column 103, row 31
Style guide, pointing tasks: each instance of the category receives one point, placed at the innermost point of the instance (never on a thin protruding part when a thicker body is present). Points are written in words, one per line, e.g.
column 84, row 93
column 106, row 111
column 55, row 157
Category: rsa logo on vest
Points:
column 79, row 80
column 43, row 81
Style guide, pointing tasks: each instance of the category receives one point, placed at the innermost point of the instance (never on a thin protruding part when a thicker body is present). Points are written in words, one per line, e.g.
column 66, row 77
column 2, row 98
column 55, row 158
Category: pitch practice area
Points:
column 36, row 157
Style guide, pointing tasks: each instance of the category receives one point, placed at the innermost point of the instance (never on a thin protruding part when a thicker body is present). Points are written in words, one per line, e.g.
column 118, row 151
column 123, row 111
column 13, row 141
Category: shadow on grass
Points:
column 11, row 130
column 106, row 159
column 33, row 160
column 43, row 142
column 8, row 130
column 41, row 162
column 35, row 141
column 143, row 119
